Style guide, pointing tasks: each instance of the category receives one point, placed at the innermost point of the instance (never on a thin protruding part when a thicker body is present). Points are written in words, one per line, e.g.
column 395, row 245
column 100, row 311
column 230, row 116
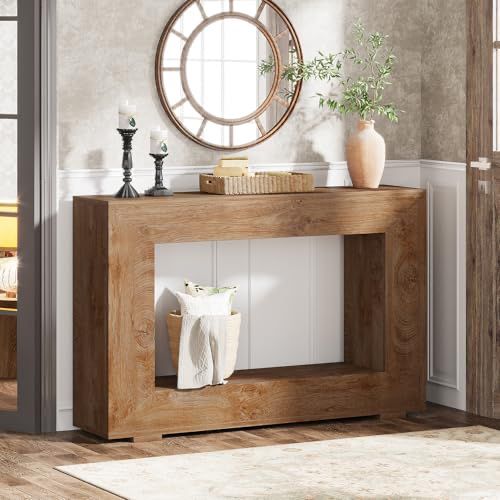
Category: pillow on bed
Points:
column 218, row 304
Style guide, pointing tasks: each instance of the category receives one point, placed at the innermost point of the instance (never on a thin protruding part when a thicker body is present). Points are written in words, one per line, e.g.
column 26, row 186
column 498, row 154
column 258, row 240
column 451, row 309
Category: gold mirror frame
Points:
column 253, row 117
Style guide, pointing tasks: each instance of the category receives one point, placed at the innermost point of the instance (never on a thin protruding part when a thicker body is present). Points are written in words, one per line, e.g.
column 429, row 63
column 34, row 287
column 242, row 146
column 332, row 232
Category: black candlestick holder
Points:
column 159, row 189
column 127, row 190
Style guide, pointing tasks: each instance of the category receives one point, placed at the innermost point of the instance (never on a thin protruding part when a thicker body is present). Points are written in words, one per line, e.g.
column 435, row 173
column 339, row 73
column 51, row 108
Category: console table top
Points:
column 207, row 217
column 334, row 192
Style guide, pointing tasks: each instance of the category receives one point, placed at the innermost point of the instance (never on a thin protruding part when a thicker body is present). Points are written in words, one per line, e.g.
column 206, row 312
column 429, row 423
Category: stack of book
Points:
column 232, row 167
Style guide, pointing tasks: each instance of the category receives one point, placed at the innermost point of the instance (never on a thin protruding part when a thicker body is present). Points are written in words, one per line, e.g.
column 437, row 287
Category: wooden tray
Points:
column 259, row 184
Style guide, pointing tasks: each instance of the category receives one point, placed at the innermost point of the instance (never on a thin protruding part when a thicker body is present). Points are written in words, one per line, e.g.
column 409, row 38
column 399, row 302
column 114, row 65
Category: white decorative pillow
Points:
column 8, row 274
column 210, row 305
column 203, row 291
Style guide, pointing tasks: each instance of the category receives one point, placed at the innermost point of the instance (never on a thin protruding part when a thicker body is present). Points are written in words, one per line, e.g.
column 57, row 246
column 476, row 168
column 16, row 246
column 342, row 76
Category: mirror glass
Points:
column 8, row 205
column 210, row 74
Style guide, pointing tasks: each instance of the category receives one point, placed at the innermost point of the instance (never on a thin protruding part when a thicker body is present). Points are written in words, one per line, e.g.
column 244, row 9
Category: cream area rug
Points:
column 444, row 464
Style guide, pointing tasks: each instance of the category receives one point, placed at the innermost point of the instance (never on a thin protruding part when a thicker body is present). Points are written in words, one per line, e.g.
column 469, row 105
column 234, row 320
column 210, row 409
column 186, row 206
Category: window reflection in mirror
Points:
column 8, row 206
column 209, row 76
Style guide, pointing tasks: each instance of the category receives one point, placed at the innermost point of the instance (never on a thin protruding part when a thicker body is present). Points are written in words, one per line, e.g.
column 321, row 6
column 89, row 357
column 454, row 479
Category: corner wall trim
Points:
column 48, row 201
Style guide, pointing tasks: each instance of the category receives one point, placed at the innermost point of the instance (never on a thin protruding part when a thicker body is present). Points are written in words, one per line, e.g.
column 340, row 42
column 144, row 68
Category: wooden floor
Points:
column 26, row 462
column 8, row 395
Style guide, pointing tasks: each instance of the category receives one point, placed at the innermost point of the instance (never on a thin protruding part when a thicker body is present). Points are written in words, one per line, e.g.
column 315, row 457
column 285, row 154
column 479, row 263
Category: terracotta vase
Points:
column 366, row 156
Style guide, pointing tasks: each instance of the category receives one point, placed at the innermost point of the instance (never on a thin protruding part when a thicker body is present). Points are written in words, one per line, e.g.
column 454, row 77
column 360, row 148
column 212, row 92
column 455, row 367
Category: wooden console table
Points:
column 116, row 394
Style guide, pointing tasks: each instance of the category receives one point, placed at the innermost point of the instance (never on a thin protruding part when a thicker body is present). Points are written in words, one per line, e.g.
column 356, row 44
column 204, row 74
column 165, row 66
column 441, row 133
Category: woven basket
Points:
column 174, row 325
column 259, row 184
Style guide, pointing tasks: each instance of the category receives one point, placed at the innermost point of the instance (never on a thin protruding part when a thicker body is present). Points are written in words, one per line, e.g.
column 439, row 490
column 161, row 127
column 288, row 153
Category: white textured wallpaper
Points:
column 444, row 80
column 106, row 54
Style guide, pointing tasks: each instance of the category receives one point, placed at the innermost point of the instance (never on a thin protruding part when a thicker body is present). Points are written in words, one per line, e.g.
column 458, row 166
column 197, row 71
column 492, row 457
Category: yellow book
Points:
column 233, row 162
column 237, row 158
column 230, row 171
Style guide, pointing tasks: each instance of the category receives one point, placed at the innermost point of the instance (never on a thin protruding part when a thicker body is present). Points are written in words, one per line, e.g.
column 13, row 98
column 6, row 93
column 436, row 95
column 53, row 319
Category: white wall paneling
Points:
column 86, row 182
column 291, row 306
column 290, row 290
column 446, row 202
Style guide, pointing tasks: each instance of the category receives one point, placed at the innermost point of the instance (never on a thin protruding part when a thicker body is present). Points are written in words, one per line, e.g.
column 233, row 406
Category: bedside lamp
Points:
column 8, row 243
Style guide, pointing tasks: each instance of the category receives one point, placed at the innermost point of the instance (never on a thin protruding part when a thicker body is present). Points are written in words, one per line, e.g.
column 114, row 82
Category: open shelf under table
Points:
column 265, row 375
column 272, row 396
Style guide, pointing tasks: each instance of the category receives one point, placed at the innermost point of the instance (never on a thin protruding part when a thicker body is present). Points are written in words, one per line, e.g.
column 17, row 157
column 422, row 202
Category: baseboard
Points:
column 65, row 420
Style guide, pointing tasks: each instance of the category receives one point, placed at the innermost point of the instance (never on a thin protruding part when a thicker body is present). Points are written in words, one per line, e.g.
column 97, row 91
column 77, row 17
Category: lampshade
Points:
column 8, row 226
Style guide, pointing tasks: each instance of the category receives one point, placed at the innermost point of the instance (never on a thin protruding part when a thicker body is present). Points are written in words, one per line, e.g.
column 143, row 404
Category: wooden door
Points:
column 483, row 199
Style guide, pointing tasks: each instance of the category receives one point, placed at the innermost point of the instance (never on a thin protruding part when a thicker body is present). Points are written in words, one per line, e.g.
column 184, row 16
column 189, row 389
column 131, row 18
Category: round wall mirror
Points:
column 218, row 71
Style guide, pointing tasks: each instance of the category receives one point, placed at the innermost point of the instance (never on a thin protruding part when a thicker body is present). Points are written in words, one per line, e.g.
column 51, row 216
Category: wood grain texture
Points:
column 8, row 347
column 27, row 462
column 90, row 309
column 114, row 379
column 364, row 298
column 482, row 211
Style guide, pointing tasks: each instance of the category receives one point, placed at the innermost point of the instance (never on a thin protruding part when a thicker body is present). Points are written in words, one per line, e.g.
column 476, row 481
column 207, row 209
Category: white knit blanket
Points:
column 202, row 351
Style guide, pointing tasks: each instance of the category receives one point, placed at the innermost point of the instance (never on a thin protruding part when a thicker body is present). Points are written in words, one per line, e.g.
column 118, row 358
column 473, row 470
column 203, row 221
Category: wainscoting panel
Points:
column 327, row 319
column 442, row 243
column 290, row 290
column 280, row 305
column 446, row 199
column 233, row 269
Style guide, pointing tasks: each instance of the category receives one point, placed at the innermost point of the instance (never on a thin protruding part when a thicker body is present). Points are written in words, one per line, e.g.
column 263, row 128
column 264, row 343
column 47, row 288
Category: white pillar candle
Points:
column 158, row 142
column 126, row 114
